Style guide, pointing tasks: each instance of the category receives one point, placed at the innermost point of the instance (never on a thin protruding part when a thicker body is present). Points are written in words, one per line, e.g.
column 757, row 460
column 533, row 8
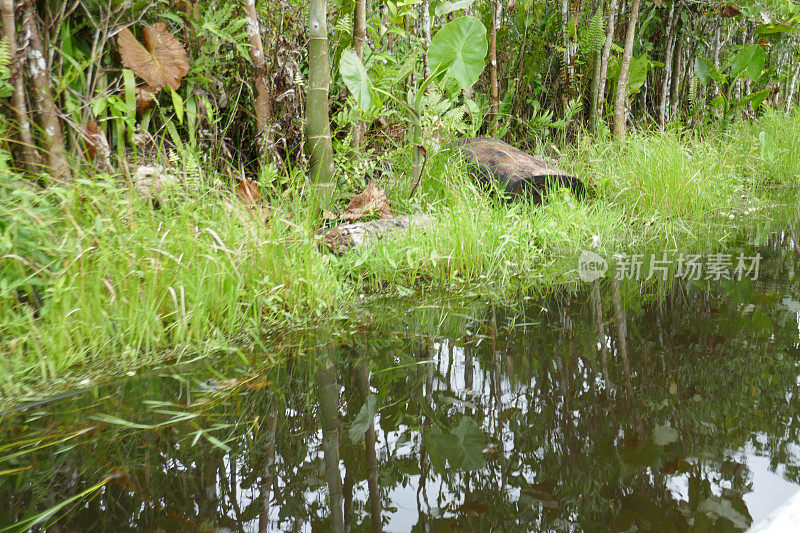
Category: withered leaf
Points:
column 370, row 200
column 97, row 149
column 163, row 63
column 91, row 136
column 145, row 98
column 729, row 11
column 248, row 192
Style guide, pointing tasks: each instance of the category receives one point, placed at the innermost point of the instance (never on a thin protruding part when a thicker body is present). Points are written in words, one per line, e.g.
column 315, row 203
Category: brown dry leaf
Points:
column 163, row 63
column 729, row 11
column 91, row 134
column 248, row 192
column 97, row 148
column 145, row 98
column 372, row 199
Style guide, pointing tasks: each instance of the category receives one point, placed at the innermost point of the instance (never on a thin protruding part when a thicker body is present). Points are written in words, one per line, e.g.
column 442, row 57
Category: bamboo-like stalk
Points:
column 624, row 70
column 318, row 129
column 601, row 82
column 48, row 112
column 263, row 103
column 25, row 147
column 359, row 38
column 494, row 92
column 663, row 104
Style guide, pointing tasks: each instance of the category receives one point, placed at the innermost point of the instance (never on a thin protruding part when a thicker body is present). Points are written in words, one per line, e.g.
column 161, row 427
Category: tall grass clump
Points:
column 769, row 150
column 130, row 281
column 661, row 175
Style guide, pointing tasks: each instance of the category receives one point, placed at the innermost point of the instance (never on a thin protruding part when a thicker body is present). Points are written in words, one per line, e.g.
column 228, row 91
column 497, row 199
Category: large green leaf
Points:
column 706, row 71
column 461, row 447
column 724, row 509
column 637, row 73
column 356, row 78
column 364, row 418
column 774, row 28
column 460, row 47
column 664, row 435
column 445, row 8
column 439, row 443
column 471, row 444
column 749, row 62
column 756, row 99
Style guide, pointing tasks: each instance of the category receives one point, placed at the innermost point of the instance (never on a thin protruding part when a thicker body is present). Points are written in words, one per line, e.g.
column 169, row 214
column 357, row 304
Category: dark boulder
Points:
column 517, row 173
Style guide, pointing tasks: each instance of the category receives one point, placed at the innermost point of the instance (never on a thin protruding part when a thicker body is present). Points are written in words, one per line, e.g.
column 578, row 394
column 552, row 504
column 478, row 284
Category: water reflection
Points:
column 600, row 408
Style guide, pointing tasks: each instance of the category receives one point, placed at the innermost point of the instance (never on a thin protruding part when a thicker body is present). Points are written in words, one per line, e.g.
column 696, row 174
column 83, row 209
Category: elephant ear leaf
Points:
column 706, row 71
column 356, row 78
column 445, row 8
column 756, row 99
column 161, row 62
column 460, row 48
column 749, row 62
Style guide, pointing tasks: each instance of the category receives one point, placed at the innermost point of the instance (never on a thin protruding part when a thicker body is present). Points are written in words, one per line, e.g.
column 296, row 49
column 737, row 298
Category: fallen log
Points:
column 346, row 236
column 493, row 161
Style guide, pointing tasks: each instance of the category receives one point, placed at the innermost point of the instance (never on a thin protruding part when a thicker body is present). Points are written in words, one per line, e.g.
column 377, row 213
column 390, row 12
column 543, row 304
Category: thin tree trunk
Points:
column 663, row 105
column 425, row 24
column 328, row 390
column 494, row 92
column 622, row 351
column 677, row 67
column 359, row 38
column 48, row 112
column 601, row 84
column 25, row 148
column 570, row 47
column 792, row 88
column 597, row 305
column 268, row 475
column 749, row 38
column 264, row 132
column 622, row 82
column 318, row 128
column 372, row 457
column 716, row 52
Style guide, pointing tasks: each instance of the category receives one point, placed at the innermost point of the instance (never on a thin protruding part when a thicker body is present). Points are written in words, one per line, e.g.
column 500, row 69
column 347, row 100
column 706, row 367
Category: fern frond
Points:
column 593, row 36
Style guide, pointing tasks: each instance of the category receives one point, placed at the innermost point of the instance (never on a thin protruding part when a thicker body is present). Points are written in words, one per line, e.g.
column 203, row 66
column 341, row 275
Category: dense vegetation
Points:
column 161, row 198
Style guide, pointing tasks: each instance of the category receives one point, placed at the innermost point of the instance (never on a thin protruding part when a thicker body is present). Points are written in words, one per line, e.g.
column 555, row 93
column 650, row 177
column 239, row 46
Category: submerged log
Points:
column 341, row 238
column 493, row 161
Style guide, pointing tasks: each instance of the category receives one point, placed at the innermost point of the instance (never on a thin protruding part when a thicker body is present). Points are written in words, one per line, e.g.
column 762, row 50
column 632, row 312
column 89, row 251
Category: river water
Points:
column 598, row 407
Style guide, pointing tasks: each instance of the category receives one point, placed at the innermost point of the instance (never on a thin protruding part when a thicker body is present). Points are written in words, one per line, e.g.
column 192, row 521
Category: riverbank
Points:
column 98, row 282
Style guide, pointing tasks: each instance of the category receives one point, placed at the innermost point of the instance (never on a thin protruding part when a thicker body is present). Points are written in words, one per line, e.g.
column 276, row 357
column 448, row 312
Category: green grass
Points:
column 126, row 285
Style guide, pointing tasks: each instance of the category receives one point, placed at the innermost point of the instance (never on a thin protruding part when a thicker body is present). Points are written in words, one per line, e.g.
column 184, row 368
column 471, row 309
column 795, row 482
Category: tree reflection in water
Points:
column 460, row 415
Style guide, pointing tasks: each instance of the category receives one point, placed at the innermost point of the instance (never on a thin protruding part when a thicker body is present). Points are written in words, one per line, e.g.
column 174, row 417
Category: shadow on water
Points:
column 602, row 407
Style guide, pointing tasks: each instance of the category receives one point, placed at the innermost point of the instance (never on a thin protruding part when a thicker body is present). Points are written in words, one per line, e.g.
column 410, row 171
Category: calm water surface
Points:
column 451, row 416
